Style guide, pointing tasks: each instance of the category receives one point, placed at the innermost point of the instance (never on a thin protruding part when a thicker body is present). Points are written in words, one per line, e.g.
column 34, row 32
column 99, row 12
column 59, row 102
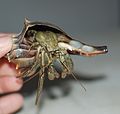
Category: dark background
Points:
column 75, row 16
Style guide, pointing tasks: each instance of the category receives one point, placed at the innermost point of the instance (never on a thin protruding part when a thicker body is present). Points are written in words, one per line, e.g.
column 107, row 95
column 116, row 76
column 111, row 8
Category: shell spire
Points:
column 26, row 22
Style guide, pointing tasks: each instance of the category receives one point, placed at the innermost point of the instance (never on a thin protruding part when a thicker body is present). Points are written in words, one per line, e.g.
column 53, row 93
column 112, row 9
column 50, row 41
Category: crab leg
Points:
column 34, row 66
column 19, row 54
column 41, row 77
column 52, row 73
column 40, row 87
column 23, row 62
column 23, row 65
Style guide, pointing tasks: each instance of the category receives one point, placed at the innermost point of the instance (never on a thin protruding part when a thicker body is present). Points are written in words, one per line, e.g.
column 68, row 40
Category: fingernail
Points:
column 5, row 45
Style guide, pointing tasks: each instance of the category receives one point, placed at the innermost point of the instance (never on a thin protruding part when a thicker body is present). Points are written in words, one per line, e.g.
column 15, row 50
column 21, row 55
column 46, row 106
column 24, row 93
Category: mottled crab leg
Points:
column 23, row 46
column 34, row 66
column 70, row 72
column 40, row 87
column 30, row 73
column 20, row 53
column 78, row 48
column 52, row 73
column 67, row 64
column 41, row 77
column 23, row 62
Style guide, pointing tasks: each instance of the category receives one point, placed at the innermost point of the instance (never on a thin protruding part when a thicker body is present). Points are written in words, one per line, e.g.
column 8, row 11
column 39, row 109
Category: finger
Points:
column 10, row 103
column 7, row 68
column 2, row 34
column 5, row 43
column 10, row 84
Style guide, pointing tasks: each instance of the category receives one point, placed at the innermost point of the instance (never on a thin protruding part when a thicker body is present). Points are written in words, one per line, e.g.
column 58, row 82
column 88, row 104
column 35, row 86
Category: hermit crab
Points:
column 40, row 46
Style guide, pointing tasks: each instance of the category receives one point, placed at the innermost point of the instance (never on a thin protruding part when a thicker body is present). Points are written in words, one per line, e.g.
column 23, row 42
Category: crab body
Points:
column 40, row 46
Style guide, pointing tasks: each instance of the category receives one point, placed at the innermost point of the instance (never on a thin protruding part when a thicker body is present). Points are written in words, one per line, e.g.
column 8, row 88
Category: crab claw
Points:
column 78, row 48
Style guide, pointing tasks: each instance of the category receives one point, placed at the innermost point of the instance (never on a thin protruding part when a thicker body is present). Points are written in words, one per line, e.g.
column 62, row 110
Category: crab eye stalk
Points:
column 30, row 35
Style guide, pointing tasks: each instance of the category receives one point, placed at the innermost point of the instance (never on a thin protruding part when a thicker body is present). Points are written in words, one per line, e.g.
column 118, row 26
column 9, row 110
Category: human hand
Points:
column 8, row 82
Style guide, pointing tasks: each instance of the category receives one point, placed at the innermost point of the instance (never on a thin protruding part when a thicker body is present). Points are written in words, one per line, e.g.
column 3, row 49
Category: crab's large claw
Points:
column 79, row 48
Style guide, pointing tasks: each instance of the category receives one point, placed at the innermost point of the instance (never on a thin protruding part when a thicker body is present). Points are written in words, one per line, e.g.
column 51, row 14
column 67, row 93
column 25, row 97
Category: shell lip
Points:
column 43, row 26
column 38, row 26
column 97, row 50
column 102, row 49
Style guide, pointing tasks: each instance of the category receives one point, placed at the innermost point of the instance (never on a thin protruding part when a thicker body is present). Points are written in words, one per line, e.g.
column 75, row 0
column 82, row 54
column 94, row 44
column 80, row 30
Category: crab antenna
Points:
column 73, row 76
column 79, row 81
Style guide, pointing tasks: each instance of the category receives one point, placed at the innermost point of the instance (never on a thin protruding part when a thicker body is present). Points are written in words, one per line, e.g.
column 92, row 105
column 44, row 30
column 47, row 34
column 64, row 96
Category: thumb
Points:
column 5, row 43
